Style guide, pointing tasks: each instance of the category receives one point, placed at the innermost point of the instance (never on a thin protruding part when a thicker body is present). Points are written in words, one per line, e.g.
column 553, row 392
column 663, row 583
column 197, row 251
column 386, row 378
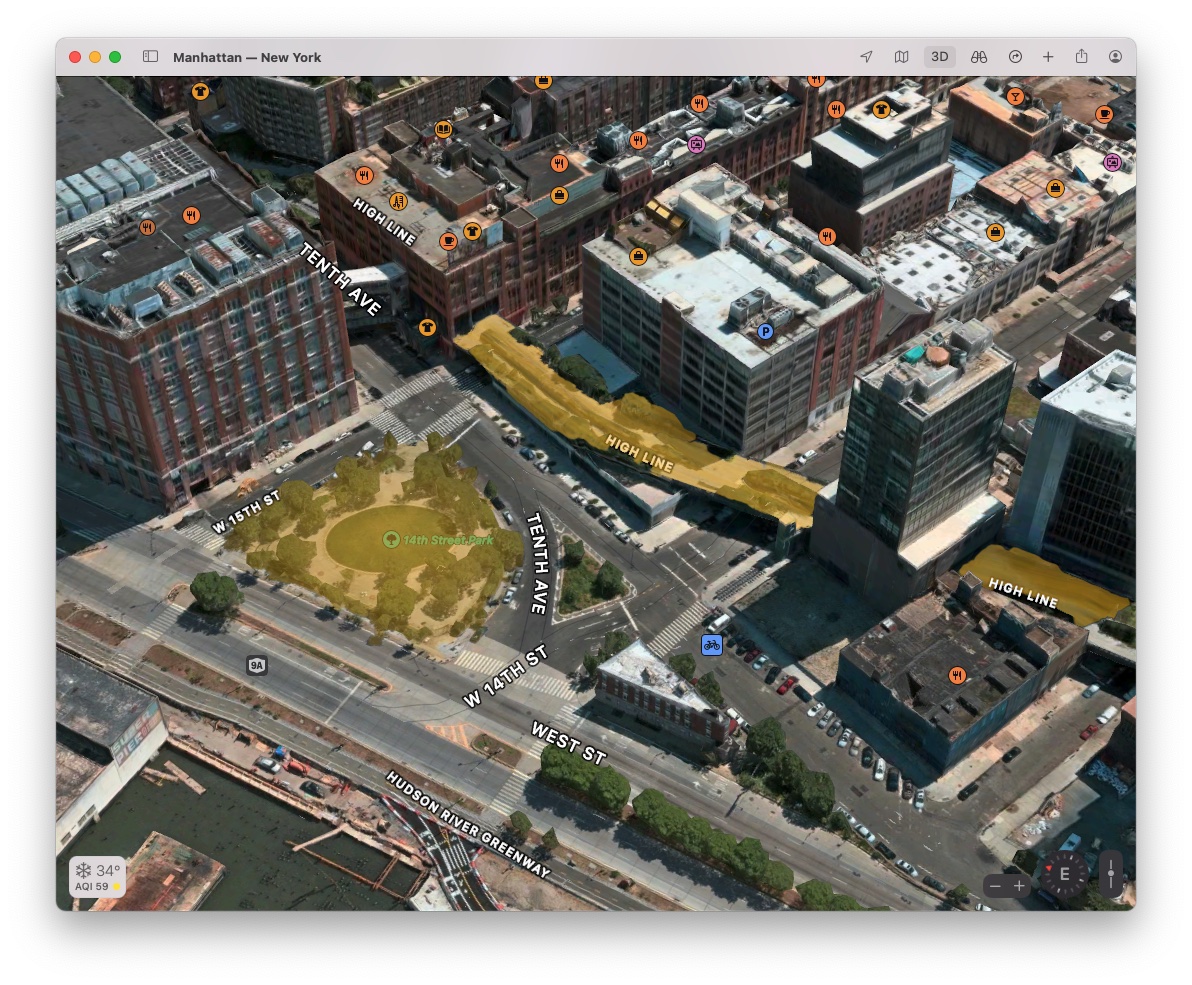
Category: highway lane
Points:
column 303, row 683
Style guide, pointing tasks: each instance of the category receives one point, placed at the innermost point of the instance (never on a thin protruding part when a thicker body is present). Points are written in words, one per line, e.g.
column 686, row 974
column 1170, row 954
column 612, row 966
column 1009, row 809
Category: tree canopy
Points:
column 215, row 593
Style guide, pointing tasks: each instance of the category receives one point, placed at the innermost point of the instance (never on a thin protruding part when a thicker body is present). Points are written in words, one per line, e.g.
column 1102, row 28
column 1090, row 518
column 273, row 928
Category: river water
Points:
column 244, row 830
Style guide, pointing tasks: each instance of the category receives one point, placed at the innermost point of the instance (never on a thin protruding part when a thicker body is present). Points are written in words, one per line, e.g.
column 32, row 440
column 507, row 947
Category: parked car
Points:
column 841, row 433
column 908, row 790
column 935, row 884
column 1012, row 754
column 1091, row 690
column 807, row 456
column 284, row 467
column 867, row 757
column 835, row 728
column 368, row 446
column 752, row 655
column 760, row 662
column 1107, row 715
column 815, row 709
column 346, row 434
column 312, row 788
column 510, row 439
column 738, row 559
column 542, row 467
column 855, row 749
column 1089, row 730
column 786, row 685
column 508, row 596
column 802, row 693
column 968, row 791
column 608, row 523
column 622, row 536
column 507, row 517
column 527, row 453
column 362, row 426
column 893, row 779
column 879, row 770
column 920, row 797
column 845, row 738
column 1048, row 899
column 886, row 850
column 375, row 393
column 578, row 498
column 306, row 456
column 268, row 765
column 750, row 645
column 865, row 833
column 906, row 867
column 518, row 574
column 982, row 908
column 827, row 717
column 772, row 674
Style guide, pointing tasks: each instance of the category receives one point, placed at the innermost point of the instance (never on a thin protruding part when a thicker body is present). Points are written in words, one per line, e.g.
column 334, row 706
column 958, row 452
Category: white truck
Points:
column 717, row 624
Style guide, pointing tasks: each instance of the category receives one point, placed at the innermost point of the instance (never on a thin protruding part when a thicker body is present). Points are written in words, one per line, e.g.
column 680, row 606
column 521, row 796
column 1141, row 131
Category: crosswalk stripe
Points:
column 458, row 415
column 423, row 381
column 388, row 422
column 488, row 667
column 167, row 617
column 670, row 637
column 203, row 535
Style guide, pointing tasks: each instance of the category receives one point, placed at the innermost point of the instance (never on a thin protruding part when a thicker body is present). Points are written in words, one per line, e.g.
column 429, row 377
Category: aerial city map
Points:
column 595, row 492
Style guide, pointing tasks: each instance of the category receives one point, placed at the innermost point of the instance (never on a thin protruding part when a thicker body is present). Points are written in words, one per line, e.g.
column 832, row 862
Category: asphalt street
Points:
column 425, row 695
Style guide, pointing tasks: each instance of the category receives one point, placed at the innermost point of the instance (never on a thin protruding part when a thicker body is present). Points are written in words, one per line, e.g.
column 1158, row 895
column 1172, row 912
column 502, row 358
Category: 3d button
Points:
column 1110, row 878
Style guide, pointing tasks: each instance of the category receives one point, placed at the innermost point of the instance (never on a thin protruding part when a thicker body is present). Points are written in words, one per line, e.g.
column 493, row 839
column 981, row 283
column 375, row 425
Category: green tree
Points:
column 721, row 846
column 591, row 663
column 838, row 823
column 696, row 836
column 815, row 894
column 709, row 690
column 573, row 552
column 584, row 375
column 296, row 498
column 509, row 546
column 610, row 581
column 310, row 521
column 788, row 772
column 1090, row 898
column 551, row 356
column 818, row 795
column 958, row 894
column 749, row 860
column 550, row 840
column 648, row 805
column 366, row 92
column 294, row 555
column 614, row 642
column 609, row 790
column 683, row 665
column 560, row 303
column 215, row 593
column 519, row 824
column 842, row 902
column 765, row 740
column 490, row 490
column 777, row 878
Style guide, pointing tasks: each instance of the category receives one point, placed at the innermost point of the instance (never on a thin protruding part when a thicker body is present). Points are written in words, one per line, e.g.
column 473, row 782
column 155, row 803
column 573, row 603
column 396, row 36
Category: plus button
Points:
column 1049, row 56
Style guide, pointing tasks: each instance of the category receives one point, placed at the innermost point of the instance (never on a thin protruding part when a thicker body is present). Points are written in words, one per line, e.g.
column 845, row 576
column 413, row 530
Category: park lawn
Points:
column 357, row 542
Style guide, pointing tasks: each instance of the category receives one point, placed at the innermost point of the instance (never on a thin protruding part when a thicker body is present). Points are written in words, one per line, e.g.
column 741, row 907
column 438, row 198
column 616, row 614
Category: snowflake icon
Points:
column 82, row 870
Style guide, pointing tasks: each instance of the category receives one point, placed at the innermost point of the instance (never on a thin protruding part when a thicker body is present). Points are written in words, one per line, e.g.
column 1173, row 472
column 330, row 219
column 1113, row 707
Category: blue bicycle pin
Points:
column 765, row 332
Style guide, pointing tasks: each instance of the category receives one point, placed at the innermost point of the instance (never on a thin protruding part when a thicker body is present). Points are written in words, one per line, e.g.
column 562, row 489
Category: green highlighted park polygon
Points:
column 362, row 540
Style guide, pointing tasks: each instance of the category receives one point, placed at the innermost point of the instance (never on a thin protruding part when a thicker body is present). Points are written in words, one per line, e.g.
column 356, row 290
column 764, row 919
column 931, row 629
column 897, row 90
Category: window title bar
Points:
column 577, row 56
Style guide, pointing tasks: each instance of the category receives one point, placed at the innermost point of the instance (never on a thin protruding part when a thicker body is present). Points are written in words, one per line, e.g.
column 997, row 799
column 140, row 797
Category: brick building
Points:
column 898, row 671
column 867, row 178
column 1091, row 343
column 185, row 355
column 418, row 100
column 531, row 247
column 166, row 92
column 639, row 683
column 985, row 121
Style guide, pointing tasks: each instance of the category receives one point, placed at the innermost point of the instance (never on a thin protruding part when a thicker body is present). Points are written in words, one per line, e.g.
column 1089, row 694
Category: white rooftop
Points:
column 1105, row 393
column 636, row 665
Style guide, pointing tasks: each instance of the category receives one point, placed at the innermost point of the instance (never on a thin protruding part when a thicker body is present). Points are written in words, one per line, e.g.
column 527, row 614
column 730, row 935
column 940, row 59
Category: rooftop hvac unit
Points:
column 141, row 171
column 122, row 176
column 112, row 192
column 728, row 112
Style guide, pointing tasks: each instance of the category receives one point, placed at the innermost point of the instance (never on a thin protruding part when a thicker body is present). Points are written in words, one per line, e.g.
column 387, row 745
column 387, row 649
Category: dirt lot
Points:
column 518, row 889
column 93, row 624
column 812, row 613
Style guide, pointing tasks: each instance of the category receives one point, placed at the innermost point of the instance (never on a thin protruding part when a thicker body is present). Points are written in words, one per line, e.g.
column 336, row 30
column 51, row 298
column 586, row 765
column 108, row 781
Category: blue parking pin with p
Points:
column 712, row 645
column 765, row 332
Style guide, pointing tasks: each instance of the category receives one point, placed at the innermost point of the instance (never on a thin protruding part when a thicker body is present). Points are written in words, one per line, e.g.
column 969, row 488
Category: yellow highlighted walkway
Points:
column 651, row 430
column 1083, row 601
